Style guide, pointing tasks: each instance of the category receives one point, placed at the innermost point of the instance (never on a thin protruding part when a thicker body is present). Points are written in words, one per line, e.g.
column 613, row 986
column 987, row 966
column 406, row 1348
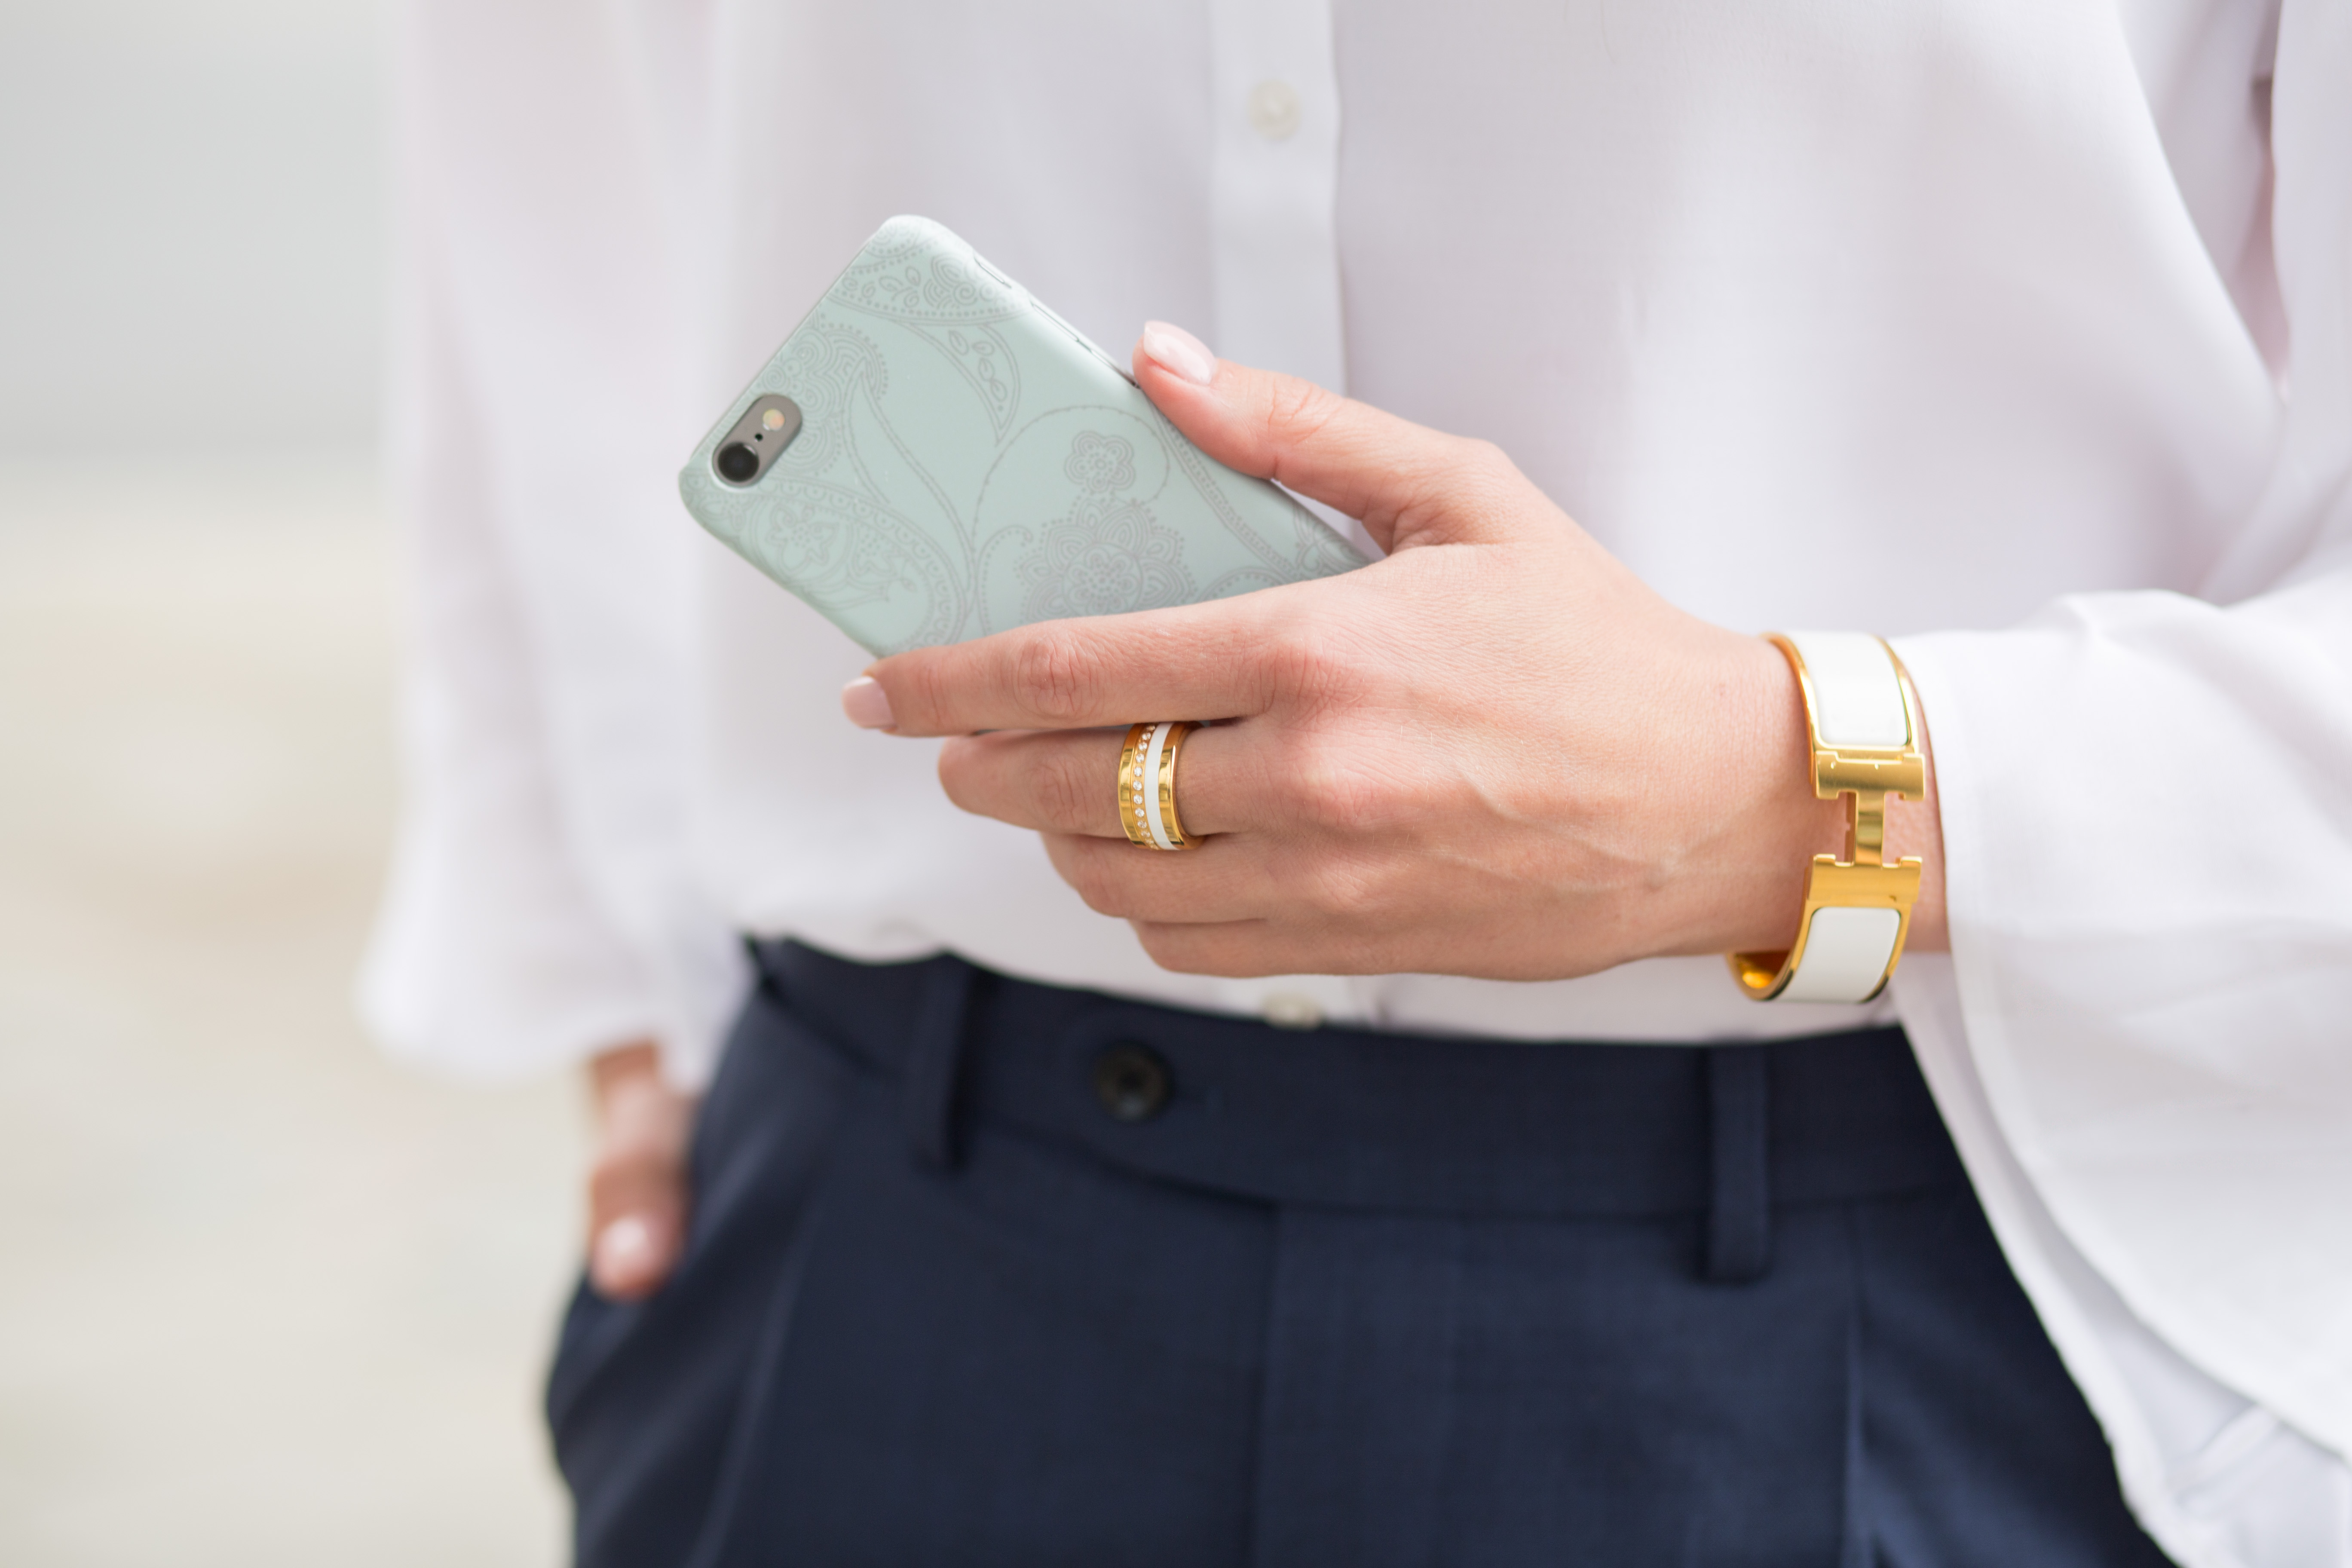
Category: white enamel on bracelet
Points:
column 1863, row 724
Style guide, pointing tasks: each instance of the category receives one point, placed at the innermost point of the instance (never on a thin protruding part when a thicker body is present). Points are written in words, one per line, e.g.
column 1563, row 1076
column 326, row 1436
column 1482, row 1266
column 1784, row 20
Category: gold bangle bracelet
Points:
column 1857, row 912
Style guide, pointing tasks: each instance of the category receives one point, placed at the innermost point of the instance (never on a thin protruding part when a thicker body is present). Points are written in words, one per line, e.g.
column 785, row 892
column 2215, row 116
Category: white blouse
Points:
column 2018, row 329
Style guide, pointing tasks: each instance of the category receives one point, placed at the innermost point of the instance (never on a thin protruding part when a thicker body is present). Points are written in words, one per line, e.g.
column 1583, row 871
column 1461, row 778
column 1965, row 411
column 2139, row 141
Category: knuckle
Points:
column 1311, row 666
column 1298, row 410
column 1463, row 475
column 922, row 696
column 1489, row 479
column 1099, row 883
column 1056, row 675
column 1485, row 461
column 1067, row 793
column 1328, row 792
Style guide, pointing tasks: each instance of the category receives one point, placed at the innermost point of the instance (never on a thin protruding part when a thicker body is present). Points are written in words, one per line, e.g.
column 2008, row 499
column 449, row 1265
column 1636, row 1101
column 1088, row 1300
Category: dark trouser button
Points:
column 1131, row 1081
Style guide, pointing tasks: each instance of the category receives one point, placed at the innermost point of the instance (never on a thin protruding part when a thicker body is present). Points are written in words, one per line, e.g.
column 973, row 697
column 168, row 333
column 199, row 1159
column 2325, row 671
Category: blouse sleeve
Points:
column 2143, row 1037
column 541, row 905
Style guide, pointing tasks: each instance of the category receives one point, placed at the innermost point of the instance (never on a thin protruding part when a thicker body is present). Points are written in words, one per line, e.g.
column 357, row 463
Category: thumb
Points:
column 637, row 1186
column 637, row 1223
column 1409, row 485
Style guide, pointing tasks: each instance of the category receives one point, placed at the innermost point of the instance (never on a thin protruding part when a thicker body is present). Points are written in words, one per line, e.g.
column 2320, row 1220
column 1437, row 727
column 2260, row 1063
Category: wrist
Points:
column 1757, row 823
column 1774, row 821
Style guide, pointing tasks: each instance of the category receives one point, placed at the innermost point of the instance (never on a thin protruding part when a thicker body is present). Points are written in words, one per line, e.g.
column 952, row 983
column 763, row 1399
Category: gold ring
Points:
column 1147, row 784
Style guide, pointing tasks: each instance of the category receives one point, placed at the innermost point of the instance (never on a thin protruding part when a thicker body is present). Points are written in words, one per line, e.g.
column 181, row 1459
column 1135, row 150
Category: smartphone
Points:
column 933, row 455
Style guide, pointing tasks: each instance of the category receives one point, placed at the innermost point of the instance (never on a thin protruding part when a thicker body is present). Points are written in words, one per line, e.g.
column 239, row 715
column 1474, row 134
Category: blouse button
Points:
column 1274, row 110
column 1131, row 1081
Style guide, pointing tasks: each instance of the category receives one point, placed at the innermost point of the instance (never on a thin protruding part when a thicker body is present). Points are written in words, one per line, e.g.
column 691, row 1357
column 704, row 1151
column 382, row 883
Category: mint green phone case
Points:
column 965, row 461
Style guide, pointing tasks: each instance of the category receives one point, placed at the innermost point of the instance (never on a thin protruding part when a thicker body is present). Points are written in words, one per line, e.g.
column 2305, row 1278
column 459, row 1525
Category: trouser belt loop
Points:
column 933, row 1056
column 1739, row 1198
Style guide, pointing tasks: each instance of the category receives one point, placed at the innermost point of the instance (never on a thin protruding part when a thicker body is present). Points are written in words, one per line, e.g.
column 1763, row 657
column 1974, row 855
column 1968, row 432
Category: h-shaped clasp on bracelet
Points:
column 1866, row 778
column 1857, row 909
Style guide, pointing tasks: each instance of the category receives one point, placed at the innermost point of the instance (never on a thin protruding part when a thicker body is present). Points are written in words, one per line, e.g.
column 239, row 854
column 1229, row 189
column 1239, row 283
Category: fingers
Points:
column 635, row 1251
column 1067, row 781
column 1222, row 880
column 1408, row 484
column 1217, row 661
column 1254, row 949
column 1232, row 658
column 638, row 1195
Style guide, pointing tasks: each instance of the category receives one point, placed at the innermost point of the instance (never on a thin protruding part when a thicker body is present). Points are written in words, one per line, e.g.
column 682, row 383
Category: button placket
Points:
column 1274, row 176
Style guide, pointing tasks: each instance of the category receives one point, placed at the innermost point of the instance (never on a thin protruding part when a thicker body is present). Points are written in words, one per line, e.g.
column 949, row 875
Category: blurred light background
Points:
column 263, row 1300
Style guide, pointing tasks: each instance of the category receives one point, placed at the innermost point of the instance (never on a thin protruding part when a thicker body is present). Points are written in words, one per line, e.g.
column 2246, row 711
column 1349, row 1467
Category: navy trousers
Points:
column 985, row 1272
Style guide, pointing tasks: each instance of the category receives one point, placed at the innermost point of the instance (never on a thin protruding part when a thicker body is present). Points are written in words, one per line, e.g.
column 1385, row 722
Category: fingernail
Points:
column 1179, row 352
column 868, row 705
column 624, row 1249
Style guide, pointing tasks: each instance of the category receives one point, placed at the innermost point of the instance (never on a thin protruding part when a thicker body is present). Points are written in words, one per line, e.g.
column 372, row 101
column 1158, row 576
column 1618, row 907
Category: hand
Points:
column 637, row 1193
column 1496, row 752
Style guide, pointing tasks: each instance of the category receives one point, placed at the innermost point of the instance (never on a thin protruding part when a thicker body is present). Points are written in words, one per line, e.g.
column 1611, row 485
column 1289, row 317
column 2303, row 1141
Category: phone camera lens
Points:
column 737, row 462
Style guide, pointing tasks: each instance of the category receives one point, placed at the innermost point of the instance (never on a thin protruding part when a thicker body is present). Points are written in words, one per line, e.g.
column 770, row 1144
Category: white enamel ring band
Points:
column 1147, row 786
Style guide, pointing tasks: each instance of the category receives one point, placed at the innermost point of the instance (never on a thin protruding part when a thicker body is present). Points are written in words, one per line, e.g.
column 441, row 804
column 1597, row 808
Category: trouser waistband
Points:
column 1353, row 1118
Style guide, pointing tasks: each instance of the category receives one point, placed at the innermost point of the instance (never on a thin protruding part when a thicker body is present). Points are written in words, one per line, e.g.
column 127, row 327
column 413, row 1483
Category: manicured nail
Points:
column 1179, row 352
column 624, row 1250
column 868, row 705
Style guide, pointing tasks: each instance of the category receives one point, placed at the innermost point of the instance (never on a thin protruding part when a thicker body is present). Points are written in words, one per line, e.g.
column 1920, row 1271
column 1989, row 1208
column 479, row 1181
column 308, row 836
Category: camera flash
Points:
column 773, row 419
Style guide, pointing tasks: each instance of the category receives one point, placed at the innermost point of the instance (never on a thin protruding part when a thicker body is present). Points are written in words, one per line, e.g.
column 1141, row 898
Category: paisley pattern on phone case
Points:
column 1108, row 554
column 822, row 368
column 906, row 274
column 965, row 463
column 852, row 558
